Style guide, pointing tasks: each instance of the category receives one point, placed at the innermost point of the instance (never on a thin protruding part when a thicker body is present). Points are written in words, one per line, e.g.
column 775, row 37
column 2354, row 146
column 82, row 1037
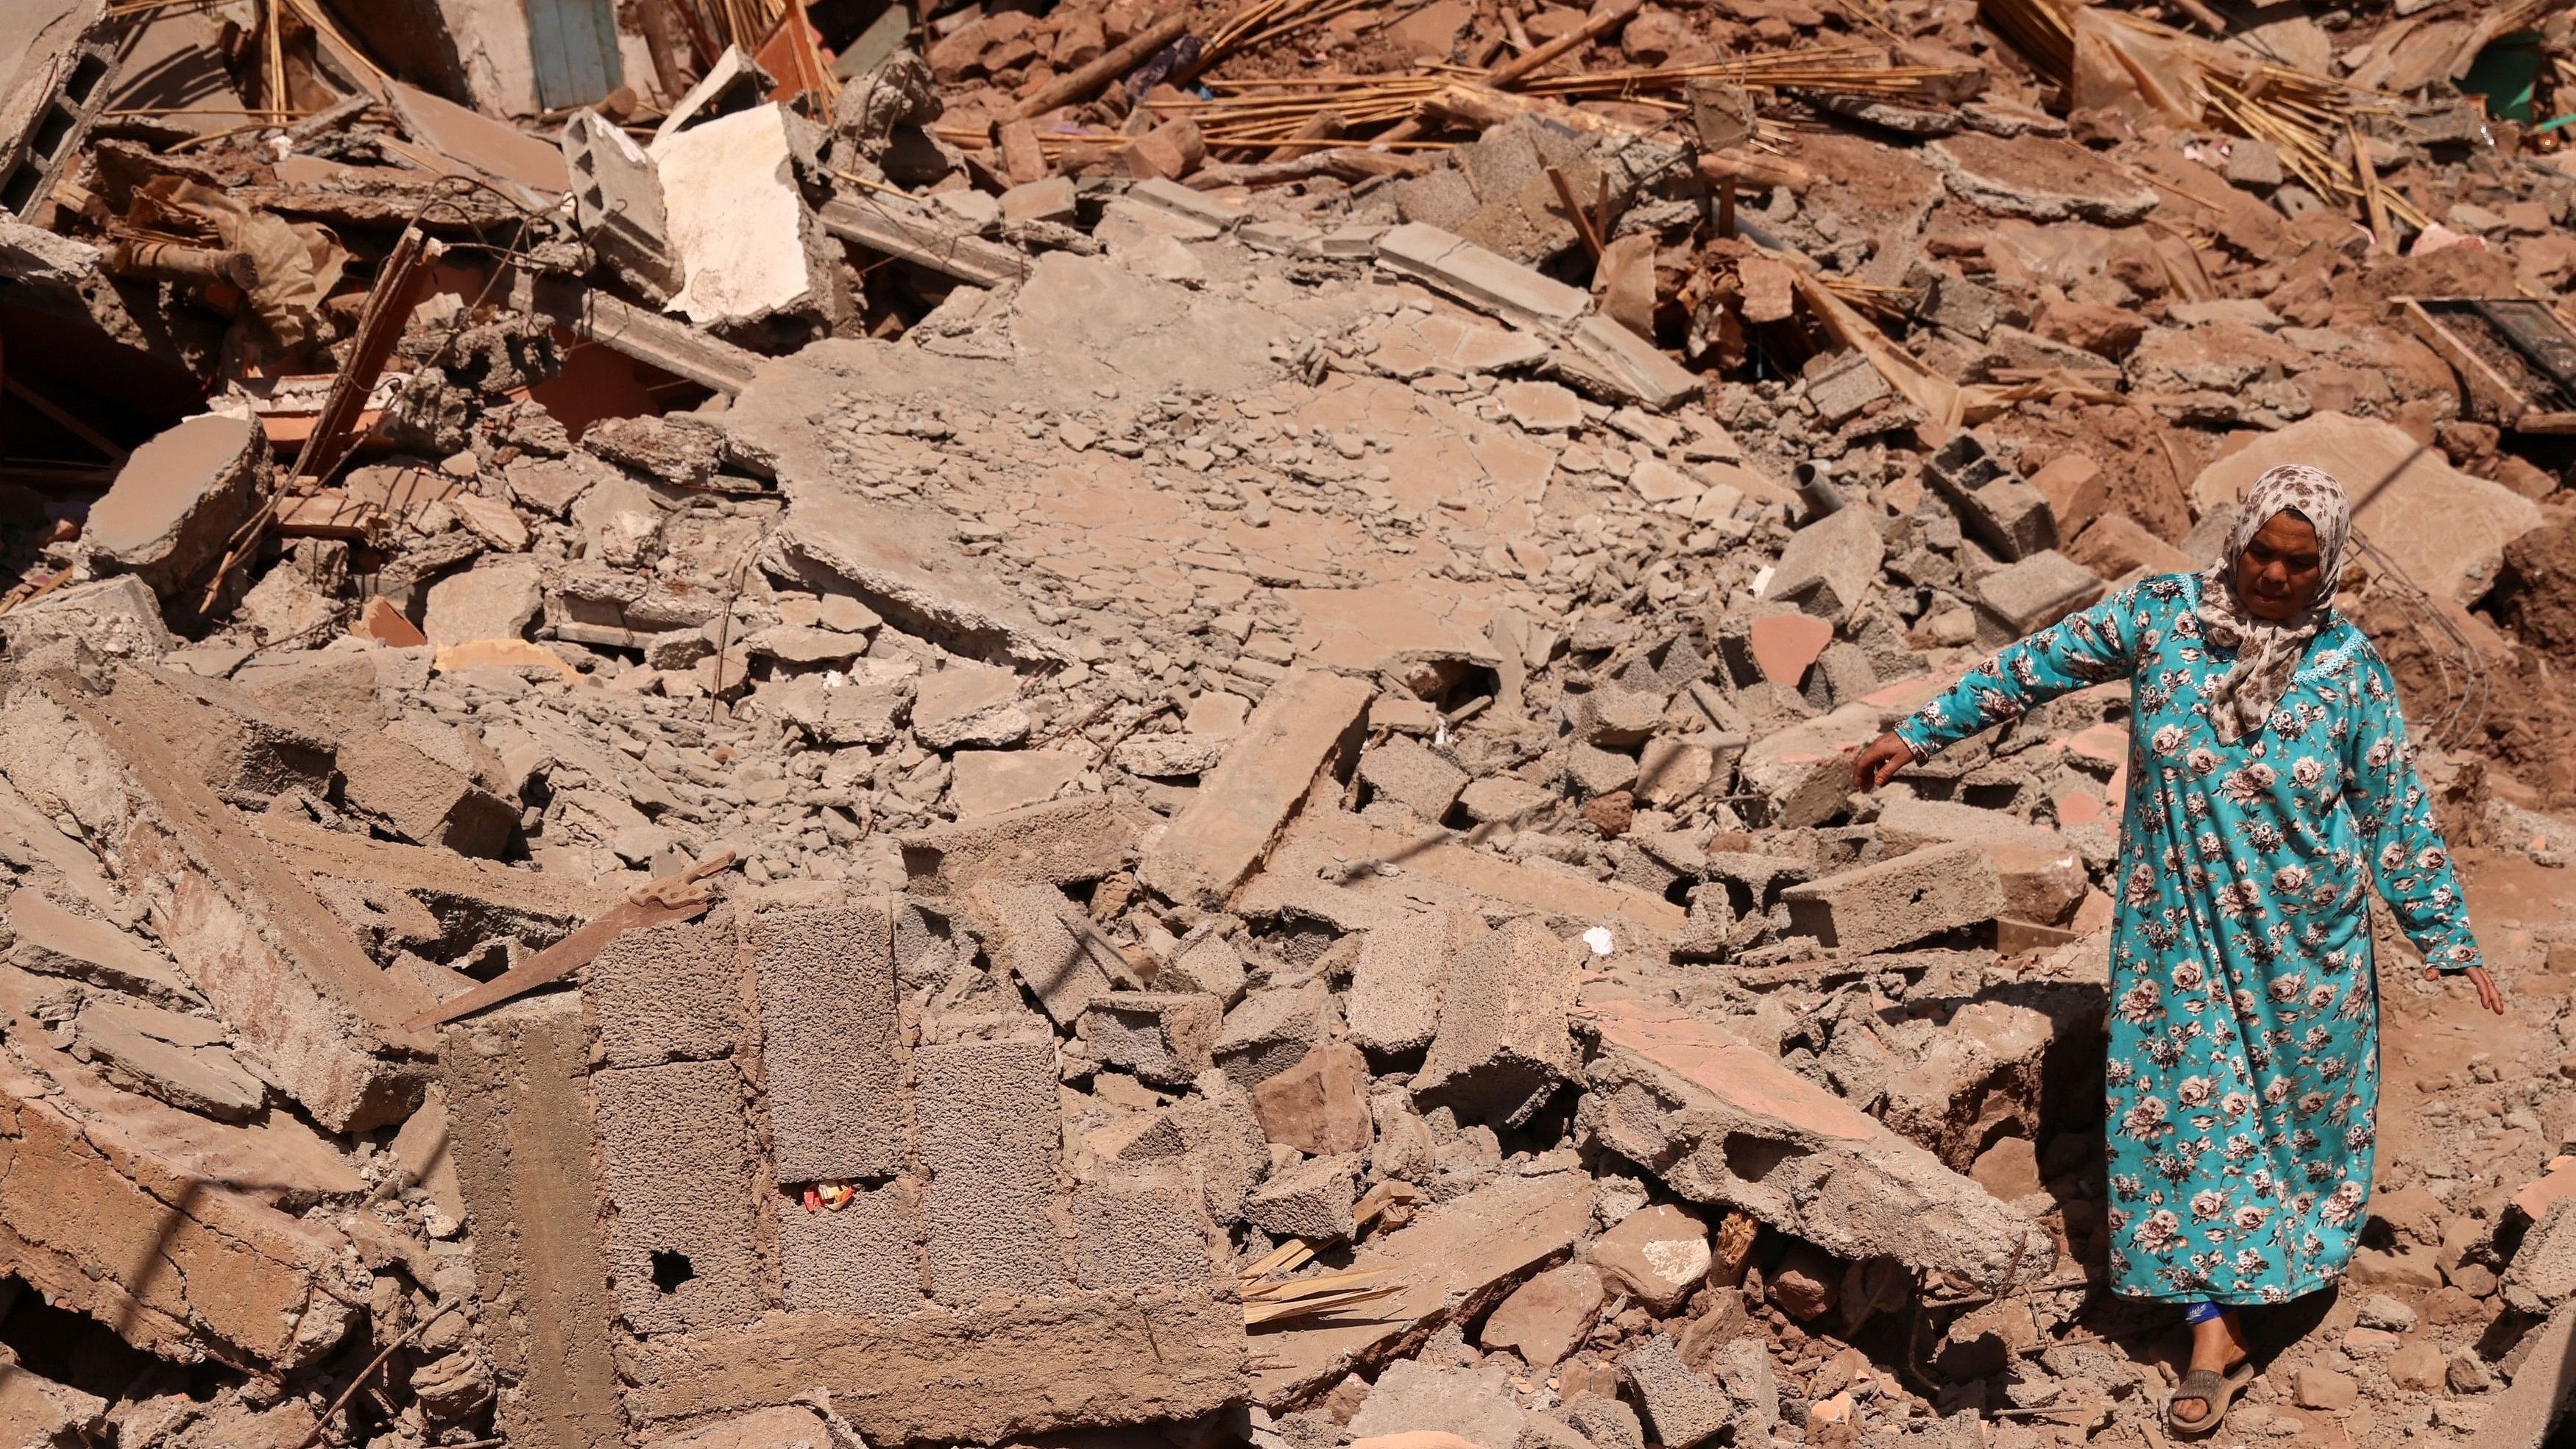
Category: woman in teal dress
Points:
column 2270, row 787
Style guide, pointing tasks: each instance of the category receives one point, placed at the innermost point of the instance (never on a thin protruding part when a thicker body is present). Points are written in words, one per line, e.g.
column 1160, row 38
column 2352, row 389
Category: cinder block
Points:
column 1163, row 1037
column 1272, row 1030
column 1140, row 1227
column 989, row 1123
column 667, row 993
column 1503, row 1045
column 1995, row 503
column 675, row 1154
column 1876, row 907
column 1312, row 1200
column 1025, row 934
column 865, row 1258
column 2032, row 594
column 1681, row 1407
column 831, row 1045
column 1394, row 1000
column 1059, row 843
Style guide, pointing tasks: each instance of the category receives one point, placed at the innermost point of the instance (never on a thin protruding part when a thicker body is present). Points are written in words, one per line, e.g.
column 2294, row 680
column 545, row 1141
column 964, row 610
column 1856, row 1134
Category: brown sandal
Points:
column 2213, row 1389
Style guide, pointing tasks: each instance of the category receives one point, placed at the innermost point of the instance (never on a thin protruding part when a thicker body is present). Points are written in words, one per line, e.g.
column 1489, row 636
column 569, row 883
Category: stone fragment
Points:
column 2039, row 177
column 1308, row 722
column 1478, row 277
column 1548, row 1317
column 175, row 1058
column 1724, row 1123
column 1656, row 1255
column 1204, row 962
column 117, row 617
column 1829, row 564
column 988, row 782
column 1320, row 1105
column 2007, row 513
column 1168, row 756
column 1613, row 717
column 1503, row 1046
column 1415, row 1402
column 2115, row 545
column 1502, row 798
column 2325, row 1388
column 1876, row 907
column 1029, row 934
column 969, row 704
column 1273, row 1030
column 55, row 942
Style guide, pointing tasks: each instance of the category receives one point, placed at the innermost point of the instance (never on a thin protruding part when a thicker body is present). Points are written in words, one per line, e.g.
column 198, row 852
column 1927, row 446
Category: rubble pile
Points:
column 1031, row 724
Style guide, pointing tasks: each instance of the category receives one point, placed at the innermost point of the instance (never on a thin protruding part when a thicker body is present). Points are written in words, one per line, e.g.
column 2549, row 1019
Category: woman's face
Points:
column 2278, row 574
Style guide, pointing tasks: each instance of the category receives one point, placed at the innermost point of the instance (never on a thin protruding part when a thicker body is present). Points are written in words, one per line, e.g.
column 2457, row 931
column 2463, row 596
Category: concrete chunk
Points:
column 1312, row 1200
column 1140, row 1227
column 617, row 203
column 831, row 1047
column 1829, row 564
column 1308, row 722
column 749, row 246
column 1320, row 1105
column 1027, row 935
column 1876, row 907
column 1994, row 502
column 177, row 502
column 1722, row 1122
column 1503, row 1046
column 175, row 1058
column 1548, row 1317
column 1272, row 1030
column 1656, row 1254
column 55, row 942
column 1454, row 1261
column 1405, row 770
column 247, row 750
column 118, row 617
column 1681, row 1407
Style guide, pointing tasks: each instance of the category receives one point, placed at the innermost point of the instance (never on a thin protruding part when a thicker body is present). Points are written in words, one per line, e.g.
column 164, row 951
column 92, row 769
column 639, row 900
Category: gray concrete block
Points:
column 1060, row 842
column 2021, row 598
column 1140, row 1227
column 1876, row 907
column 1394, row 1001
column 1271, row 1030
column 865, row 1258
column 1995, row 504
column 1406, row 771
column 1829, row 564
column 667, row 993
column 831, row 1045
column 989, row 1126
column 1503, row 1046
column 1312, row 1200
column 675, row 1155
column 1026, row 935
column 1681, row 1407
column 1164, row 1037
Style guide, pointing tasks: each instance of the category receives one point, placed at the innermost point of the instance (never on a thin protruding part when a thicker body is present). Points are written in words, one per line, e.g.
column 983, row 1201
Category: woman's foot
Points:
column 2217, row 1345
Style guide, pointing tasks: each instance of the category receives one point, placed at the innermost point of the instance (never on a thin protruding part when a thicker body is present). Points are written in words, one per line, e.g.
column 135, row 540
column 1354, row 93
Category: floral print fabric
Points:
column 2244, row 1054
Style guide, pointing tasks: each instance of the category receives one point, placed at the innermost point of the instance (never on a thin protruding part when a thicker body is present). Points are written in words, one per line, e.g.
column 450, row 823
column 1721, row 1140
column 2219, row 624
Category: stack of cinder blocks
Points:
column 635, row 1157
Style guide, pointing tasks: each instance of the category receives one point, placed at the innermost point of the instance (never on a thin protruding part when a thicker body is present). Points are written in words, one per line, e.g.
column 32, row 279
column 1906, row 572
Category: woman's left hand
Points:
column 2490, row 995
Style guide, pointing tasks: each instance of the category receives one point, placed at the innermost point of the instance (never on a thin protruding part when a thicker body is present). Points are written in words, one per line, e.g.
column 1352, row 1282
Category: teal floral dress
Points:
column 2244, row 1054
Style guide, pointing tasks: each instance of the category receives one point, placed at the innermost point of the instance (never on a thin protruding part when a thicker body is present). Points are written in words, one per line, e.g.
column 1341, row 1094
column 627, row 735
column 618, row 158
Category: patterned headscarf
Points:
column 2268, row 651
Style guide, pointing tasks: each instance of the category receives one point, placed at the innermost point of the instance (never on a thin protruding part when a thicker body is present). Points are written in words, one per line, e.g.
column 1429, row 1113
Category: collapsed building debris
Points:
column 786, row 723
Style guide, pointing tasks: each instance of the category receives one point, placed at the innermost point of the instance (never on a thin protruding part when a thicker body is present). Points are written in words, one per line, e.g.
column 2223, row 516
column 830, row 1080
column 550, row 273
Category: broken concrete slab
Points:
column 1414, row 1402
column 56, row 942
column 1311, row 1201
column 617, row 203
column 177, row 502
column 1495, row 284
column 1406, row 771
column 1308, row 723
column 2039, row 177
column 2446, row 529
column 1896, row 902
column 498, row 598
column 1549, row 1316
column 2018, row 599
column 1656, row 1255
column 1027, row 935
column 1722, row 1122
column 1454, row 1261
column 1165, row 1038
column 1334, row 866
column 118, row 617
column 1061, row 843
column 246, row 749
column 179, row 1059
column 249, row 933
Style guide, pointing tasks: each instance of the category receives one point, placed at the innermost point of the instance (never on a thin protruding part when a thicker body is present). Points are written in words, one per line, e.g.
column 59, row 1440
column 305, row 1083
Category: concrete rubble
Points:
column 1117, row 757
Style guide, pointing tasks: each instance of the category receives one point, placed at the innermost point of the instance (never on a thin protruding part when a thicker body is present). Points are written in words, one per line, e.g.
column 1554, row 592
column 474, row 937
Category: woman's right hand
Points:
column 1878, row 764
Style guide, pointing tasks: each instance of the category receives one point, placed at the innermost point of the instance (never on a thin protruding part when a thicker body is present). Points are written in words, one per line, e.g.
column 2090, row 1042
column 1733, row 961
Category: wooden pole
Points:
column 1080, row 83
column 1502, row 77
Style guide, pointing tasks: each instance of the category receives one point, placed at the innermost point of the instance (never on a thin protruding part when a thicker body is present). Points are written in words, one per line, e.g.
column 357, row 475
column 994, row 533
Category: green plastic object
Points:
column 2506, row 73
